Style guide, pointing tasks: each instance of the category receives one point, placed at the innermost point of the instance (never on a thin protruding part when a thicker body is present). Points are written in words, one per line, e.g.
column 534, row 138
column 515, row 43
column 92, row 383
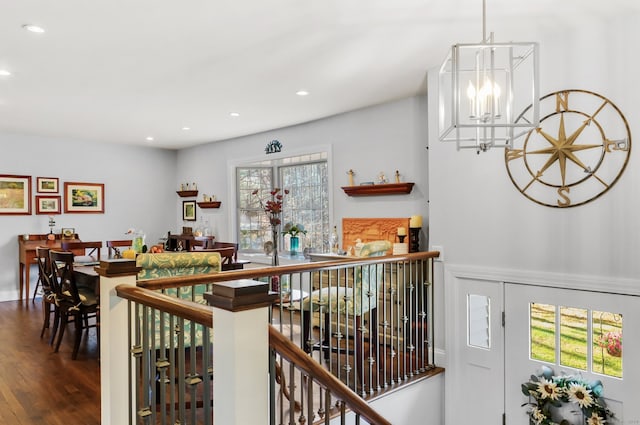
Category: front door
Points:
column 562, row 329
column 474, row 385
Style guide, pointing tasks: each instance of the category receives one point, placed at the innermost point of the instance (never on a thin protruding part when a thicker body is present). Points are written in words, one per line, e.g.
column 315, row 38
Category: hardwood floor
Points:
column 38, row 386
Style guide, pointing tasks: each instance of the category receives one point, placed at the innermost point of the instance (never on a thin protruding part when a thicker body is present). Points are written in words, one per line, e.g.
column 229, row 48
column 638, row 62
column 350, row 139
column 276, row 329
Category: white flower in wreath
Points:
column 537, row 415
column 595, row 419
column 548, row 389
column 579, row 394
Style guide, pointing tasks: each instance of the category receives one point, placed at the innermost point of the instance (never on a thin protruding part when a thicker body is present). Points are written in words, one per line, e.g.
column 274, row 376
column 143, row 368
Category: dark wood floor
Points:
column 38, row 386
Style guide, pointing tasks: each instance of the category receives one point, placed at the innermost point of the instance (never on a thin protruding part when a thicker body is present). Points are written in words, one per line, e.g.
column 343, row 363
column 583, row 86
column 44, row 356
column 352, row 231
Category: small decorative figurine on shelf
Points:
column 52, row 223
column 397, row 176
column 351, row 173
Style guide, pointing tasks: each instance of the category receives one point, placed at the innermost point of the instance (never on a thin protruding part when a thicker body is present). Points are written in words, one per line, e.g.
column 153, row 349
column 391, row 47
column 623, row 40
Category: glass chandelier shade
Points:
column 483, row 88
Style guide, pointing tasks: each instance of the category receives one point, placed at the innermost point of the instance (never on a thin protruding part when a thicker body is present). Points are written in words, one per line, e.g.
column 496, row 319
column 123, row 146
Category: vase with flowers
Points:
column 273, row 209
column 293, row 230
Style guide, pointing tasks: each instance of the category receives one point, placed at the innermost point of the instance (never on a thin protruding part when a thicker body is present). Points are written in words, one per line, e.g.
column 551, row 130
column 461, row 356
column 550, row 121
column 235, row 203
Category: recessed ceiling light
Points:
column 4, row 73
column 33, row 28
column 186, row 128
column 234, row 114
column 149, row 139
column 302, row 93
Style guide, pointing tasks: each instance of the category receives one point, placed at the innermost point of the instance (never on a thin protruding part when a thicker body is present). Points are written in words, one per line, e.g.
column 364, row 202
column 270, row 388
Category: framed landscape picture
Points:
column 83, row 197
column 48, row 205
column 15, row 194
column 189, row 210
column 47, row 184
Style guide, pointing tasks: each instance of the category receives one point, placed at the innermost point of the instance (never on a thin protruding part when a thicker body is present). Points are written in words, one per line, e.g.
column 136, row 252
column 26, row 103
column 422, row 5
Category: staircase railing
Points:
column 170, row 374
column 336, row 396
column 171, row 357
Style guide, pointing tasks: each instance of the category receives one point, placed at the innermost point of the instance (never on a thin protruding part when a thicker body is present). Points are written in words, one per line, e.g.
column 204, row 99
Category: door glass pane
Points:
column 573, row 337
column 607, row 343
column 543, row 332
column 478, row 315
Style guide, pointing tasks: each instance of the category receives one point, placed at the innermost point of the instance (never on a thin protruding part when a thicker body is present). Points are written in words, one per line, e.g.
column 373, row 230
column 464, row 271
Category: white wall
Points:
column 492, row 232
column 139, row 192
column 481, row 219
column 384, row 138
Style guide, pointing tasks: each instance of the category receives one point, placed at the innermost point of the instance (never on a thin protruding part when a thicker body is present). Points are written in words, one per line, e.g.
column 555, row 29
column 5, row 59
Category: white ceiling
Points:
column 121, row 70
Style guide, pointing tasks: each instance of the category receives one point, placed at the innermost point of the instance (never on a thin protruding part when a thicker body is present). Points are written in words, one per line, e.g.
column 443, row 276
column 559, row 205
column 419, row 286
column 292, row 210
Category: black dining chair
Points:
column 77, row 303
column 45, row 277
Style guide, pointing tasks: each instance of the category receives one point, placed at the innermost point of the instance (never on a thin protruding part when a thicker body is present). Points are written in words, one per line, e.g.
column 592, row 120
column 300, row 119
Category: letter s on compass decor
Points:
column 577, row 153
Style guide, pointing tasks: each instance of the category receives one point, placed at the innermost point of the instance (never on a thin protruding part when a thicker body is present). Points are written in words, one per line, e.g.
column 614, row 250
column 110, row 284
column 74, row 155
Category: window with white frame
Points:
column 306, row 179
column 580, row 338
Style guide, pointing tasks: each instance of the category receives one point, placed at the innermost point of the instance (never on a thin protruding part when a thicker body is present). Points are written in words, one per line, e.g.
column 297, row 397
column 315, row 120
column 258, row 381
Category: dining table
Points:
column 86, row 275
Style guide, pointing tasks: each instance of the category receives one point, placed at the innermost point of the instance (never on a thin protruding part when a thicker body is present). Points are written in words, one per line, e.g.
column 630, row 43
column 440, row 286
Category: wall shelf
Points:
column 211, row 204
column 187, row 193
column 379, row 189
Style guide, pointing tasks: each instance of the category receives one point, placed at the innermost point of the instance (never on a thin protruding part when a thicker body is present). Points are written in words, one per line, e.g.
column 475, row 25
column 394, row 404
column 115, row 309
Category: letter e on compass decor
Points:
column 577, row 153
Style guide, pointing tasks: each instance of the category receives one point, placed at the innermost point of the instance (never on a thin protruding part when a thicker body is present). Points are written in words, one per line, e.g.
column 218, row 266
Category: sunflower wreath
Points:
column 547, row 393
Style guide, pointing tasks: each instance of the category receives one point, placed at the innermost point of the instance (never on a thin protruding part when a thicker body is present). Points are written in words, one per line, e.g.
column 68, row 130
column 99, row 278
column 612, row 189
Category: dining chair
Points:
column 48, row 294
column 196, row 245
column 115, row 248
column 41, row 275
column 226, row 256
column 84, row 252
column 74, row 302
column 233, row 245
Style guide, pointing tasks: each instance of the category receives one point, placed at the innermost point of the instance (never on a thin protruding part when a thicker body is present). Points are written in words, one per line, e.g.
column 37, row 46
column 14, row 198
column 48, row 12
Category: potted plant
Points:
column 294, row 230
column 612, row 342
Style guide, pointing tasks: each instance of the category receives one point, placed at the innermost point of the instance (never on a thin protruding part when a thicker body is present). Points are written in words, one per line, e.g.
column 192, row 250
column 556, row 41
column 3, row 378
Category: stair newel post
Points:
column 241, row 351
column 116, row 405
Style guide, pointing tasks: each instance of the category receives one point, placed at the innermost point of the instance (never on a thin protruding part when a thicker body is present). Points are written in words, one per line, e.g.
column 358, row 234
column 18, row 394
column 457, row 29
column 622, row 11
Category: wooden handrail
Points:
column 178, row 281
column 301, row 360
column 178, row 307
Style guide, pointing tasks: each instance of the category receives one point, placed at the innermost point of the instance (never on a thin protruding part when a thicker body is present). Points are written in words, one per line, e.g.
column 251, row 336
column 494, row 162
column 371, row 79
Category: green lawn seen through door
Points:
column 573, row 338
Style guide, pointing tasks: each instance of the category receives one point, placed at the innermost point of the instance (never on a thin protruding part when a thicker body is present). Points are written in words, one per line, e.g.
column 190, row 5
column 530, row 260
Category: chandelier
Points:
column 481, row 88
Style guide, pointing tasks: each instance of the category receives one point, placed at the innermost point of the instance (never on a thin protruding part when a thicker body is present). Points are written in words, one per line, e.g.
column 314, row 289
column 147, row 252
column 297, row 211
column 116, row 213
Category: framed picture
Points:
column 68, row 232
column 83, row 197
column 48, row 205
column 15, row 194
column 189, row 210
column 47, row 184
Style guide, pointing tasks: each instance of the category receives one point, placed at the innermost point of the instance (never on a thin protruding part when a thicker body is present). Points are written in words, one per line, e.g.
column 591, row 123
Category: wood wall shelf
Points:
column 212, row 204
column 379, row 189
column 187, row 193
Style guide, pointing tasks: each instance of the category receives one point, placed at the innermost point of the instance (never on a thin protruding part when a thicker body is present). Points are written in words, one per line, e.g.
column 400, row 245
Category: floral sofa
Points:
column 168, row 264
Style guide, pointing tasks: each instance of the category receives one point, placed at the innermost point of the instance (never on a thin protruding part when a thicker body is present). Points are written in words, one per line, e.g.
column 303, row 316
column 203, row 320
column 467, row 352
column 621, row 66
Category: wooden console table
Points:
column 27, row 255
